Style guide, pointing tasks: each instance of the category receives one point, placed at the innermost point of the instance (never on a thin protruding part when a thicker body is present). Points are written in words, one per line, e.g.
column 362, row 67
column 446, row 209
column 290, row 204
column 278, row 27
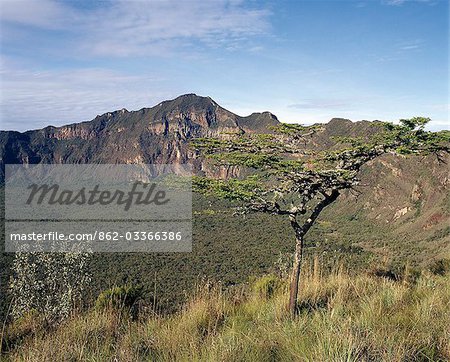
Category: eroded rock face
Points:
column 73, row 131
column 416, row 193
column 160, row 134
column 399, row 213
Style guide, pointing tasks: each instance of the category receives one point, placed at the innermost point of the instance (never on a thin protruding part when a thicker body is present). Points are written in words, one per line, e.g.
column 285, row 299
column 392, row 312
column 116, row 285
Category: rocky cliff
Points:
column 151, row 135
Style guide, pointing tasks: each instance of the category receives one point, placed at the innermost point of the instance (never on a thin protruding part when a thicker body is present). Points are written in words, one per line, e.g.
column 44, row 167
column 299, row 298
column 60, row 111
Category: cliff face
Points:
column 151, row 135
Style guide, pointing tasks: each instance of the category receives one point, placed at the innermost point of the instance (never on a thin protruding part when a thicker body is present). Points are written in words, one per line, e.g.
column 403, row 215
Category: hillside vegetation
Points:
column 401, row 210
column 341, row 318
column 231, row 248
column 398, row 214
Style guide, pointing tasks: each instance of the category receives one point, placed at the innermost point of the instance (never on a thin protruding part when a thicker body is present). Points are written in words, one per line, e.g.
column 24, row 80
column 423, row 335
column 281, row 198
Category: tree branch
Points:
column 328, row 199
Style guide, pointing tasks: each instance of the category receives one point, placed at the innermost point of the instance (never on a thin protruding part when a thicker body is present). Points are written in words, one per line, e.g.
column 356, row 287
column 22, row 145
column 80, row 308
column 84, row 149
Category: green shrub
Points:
column 120, row 298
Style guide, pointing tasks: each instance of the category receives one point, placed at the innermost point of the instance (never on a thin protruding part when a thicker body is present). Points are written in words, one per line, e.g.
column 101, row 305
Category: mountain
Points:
column 402, row 211
column 150, row 135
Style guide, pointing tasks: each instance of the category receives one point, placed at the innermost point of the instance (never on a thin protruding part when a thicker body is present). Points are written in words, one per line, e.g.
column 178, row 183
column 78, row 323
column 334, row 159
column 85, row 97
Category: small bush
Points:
column 122, row 298
column 28, row 324
column 49, row 283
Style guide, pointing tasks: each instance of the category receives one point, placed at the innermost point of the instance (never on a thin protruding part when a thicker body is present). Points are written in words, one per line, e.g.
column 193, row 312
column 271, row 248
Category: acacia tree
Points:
column 280, row 176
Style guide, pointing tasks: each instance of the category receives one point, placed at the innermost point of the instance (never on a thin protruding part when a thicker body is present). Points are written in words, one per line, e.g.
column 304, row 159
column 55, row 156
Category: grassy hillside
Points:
column 358, row 231
column 341, row 318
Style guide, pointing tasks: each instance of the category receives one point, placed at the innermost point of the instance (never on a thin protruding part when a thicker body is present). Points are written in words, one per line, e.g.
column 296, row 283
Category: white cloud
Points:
column 128, row 28
column 395, row 2
column 64, row 31
column 38, row 13
column 410, row 47
column 134, row 27
column 34, row 99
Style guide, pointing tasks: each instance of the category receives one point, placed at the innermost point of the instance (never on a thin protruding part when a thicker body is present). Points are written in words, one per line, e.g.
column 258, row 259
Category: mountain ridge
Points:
column 159, row 134
column 409, row 193
column 183, row 101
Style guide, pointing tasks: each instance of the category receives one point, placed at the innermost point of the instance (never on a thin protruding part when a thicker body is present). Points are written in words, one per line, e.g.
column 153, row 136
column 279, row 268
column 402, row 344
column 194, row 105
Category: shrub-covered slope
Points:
column 341, row 318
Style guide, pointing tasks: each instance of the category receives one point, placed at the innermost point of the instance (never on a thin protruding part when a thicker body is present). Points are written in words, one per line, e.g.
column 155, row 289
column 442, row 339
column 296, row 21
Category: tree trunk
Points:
column 300, row 232
column 295, row 277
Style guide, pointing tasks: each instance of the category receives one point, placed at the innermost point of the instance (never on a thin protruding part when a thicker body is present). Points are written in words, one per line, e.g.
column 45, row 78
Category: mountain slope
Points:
column 401, row 214
column 158, row 134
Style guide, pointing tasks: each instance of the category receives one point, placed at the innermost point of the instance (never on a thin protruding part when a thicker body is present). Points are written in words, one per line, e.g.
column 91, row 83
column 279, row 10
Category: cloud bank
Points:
column 129, row 28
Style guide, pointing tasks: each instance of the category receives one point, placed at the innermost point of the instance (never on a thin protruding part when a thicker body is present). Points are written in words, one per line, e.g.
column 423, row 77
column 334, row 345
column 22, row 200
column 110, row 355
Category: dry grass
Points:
column 341, row 318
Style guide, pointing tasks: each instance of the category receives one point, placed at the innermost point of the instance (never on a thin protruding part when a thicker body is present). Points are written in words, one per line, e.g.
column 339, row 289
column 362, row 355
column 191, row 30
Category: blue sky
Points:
column 305, row 61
